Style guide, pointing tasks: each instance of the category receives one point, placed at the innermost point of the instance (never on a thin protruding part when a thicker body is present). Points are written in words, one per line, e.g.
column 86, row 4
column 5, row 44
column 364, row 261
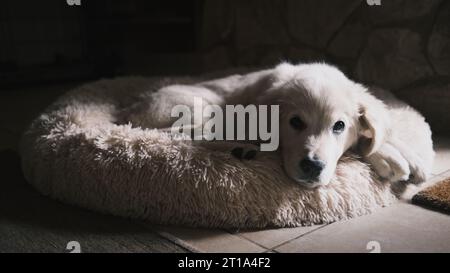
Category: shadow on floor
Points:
column 32, row 222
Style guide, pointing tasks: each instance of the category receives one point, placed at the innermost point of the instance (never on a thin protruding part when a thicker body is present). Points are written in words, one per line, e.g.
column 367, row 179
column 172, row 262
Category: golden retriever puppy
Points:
column 323, row 114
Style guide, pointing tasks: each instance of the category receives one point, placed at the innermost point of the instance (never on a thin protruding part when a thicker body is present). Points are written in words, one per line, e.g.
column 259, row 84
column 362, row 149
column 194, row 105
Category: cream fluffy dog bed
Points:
column 76, row 152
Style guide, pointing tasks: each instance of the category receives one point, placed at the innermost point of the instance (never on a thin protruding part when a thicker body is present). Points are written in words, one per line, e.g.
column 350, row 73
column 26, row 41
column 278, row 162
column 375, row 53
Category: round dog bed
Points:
column 78, row 152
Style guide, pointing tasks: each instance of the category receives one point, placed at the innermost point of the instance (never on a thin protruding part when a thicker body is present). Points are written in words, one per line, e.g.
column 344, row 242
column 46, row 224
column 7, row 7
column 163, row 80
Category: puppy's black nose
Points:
column 311, row 168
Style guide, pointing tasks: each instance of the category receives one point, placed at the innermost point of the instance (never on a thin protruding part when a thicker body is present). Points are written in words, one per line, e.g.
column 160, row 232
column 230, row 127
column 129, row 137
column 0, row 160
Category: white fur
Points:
column 391, row 136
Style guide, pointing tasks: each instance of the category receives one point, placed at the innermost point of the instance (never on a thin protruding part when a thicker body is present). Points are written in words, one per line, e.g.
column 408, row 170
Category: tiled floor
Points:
column 402, row 227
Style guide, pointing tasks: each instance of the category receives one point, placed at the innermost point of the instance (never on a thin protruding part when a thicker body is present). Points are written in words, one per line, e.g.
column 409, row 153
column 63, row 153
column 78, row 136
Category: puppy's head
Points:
column 323, row 114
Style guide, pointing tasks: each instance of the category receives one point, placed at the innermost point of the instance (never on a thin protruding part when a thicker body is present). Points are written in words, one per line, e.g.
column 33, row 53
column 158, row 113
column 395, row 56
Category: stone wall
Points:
column 402, row 45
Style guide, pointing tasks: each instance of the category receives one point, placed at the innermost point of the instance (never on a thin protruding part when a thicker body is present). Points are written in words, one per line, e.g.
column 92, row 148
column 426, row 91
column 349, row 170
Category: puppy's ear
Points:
column 256, row 87
column 279, row 76
column 373, row 122
column 283, row 73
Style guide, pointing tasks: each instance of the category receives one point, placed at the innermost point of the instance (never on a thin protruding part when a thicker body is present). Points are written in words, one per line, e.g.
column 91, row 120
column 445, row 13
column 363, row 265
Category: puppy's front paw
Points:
column 389, row 164
column 244, row 153
column 390, row 170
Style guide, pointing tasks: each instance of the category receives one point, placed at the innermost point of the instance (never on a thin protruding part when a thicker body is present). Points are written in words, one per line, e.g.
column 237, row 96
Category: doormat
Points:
column 436, row 196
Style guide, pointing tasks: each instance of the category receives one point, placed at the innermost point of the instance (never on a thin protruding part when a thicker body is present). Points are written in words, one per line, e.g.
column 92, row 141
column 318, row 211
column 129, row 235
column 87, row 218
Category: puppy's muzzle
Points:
column 311, row 168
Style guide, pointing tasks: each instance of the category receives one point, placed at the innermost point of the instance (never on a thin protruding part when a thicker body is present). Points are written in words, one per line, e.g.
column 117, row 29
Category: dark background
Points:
column 49, row 41
column 402, row 45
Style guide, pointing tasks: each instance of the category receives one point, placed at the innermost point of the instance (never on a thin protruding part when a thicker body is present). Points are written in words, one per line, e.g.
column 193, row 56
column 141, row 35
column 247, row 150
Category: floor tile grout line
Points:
column 169, row 236
column 300, row 236
column 247, row 239
column 178, row 241
column 188, row 246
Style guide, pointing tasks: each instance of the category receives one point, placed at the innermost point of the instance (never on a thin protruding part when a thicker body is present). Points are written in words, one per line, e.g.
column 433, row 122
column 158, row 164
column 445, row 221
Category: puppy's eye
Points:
column 297, row 123
column 338, row 127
